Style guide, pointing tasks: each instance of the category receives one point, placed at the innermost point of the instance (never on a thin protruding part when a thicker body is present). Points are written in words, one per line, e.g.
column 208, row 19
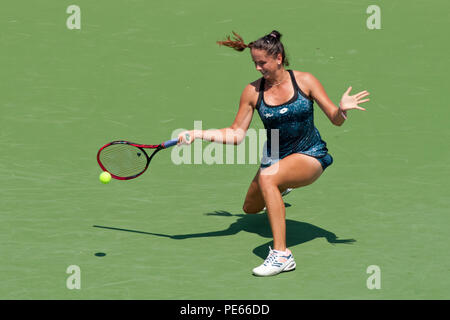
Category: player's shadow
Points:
column 296, row 232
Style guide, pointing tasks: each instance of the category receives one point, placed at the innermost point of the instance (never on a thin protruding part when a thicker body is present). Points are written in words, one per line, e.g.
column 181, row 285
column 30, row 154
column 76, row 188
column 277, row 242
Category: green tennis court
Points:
column 138, row 70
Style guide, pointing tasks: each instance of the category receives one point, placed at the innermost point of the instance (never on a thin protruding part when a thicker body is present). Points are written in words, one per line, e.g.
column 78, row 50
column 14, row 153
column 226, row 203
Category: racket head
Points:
column 124, row 160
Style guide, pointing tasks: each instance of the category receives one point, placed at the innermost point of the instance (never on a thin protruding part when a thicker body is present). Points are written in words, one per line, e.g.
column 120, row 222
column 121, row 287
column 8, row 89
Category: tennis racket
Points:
column 126, row 160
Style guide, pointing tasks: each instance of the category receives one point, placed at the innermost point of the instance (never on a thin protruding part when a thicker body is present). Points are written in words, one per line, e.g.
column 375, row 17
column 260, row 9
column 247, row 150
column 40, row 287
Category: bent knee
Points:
column 265, row 181
column 251, row 209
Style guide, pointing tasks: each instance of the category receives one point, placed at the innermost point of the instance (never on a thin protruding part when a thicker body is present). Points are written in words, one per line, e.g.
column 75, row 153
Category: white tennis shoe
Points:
column 276, row 262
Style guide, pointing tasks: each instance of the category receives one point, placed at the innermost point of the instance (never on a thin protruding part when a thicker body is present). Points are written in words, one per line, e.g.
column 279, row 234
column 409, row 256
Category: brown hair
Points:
column 270, row 43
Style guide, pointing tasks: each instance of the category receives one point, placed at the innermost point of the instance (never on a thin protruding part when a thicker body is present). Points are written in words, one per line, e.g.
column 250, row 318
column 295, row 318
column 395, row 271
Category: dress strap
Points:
column 294, row 82
column 296, row 87
column 261, row 93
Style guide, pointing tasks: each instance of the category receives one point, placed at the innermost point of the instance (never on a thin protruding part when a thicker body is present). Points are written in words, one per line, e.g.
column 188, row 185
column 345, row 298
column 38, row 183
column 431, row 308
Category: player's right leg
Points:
column 254, row 201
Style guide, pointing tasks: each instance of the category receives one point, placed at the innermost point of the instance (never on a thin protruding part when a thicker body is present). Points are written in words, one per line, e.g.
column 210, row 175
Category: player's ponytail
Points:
column 271, row 43
column 237, row 43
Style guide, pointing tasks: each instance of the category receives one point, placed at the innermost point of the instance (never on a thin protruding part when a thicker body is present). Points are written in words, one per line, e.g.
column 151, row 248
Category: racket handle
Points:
column 170, row 143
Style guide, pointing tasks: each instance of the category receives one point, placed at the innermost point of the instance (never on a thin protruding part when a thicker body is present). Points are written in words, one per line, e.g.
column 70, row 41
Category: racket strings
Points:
column 123, row 160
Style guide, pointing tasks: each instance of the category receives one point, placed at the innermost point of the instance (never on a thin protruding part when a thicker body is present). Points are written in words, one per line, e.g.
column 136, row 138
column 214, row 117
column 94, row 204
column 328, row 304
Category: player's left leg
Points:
column 294, row 171
column 254, row 201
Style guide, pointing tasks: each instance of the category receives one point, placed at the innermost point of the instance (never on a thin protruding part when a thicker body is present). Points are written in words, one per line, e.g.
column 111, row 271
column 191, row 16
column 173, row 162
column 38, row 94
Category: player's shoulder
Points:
column 305, row 81
column 252, row 89
column 254, row 86
column 251, row 92
column 303, row 76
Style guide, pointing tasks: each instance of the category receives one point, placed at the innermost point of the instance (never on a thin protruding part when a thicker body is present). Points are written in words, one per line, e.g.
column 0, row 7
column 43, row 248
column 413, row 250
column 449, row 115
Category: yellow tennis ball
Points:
column 105, row 177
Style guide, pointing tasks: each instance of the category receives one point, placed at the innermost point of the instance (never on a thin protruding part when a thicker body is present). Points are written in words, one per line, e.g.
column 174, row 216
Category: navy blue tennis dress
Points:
column 296, row 131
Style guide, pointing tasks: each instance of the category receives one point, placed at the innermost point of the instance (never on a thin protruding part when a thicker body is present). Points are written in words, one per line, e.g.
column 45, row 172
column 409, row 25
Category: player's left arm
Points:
column 337, row 115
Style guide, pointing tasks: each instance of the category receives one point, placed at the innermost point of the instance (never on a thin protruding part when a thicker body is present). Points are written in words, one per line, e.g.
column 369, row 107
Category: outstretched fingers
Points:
column 359, row 101
column 348, row 90
column 362, row 94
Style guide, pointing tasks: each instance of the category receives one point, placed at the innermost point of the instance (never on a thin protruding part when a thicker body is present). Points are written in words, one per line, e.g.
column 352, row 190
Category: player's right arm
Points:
column 235, row 133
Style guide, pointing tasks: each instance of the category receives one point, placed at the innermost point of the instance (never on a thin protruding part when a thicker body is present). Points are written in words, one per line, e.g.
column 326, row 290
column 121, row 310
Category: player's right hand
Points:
column 186, row 137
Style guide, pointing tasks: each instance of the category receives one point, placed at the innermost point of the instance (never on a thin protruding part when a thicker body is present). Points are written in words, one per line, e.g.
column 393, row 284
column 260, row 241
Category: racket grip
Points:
column 170, row 143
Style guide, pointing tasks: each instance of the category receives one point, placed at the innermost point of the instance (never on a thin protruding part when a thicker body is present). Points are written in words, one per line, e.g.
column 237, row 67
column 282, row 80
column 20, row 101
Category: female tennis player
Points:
column 284, row 100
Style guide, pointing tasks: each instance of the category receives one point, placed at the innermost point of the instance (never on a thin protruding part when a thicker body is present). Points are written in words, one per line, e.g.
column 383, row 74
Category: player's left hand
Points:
column 351, row 102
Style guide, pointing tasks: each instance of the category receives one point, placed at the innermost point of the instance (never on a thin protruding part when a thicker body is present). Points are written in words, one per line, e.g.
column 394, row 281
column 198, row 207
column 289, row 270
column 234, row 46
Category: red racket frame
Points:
column 140, row 146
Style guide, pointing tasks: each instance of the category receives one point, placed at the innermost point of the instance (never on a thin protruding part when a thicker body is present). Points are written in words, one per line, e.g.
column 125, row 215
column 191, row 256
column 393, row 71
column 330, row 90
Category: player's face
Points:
column 265, row 63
